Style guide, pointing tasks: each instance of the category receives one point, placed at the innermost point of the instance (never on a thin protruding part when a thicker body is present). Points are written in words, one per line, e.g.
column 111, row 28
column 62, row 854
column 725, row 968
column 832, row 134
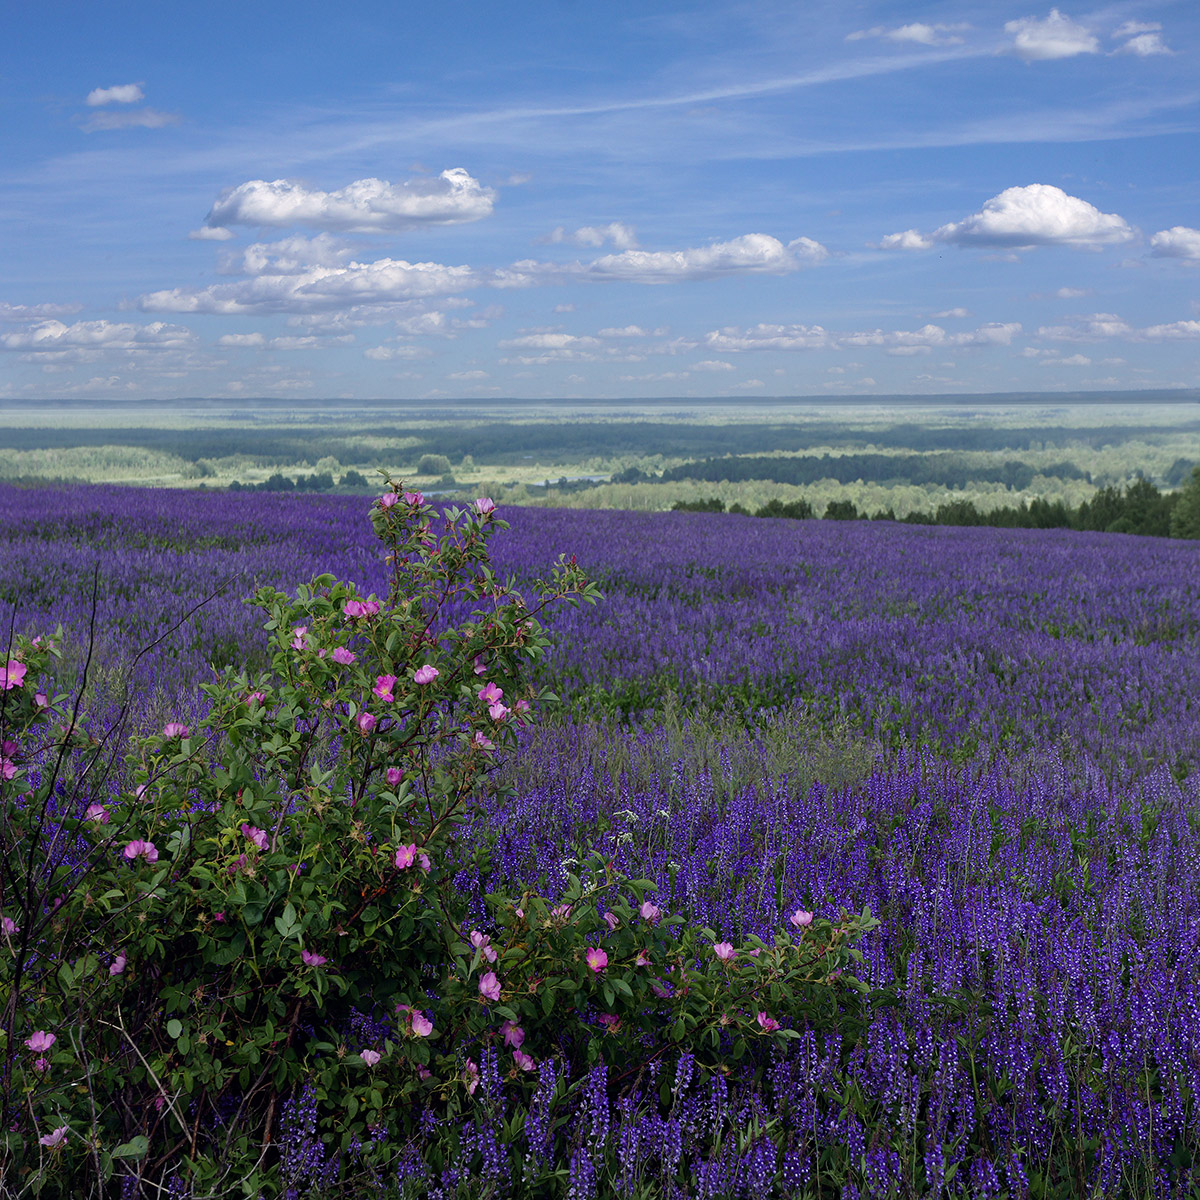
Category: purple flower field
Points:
column 988, row 737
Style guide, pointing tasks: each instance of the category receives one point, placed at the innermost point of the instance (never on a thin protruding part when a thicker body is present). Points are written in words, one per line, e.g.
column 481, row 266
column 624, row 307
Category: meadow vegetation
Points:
column 858, row 858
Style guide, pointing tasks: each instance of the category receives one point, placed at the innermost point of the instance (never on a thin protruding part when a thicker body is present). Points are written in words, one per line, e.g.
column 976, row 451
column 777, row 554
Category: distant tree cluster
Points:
column 1138, row 508
column 939, row 469
column 321, row 481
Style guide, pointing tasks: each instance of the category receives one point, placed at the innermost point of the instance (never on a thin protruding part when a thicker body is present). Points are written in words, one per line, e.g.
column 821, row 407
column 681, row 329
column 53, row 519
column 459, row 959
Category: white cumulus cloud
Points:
column 1177, row 242
column 752, row 253
column 615, row 232
column 121, row 93
column 1055, row 36
column 1097, row 327
column 917, row 31
column 108, row 335
column 1038, row 214
column 364, row 206
column 909, row 239
column 1173, row 332
column 768, row 337
column 384, row 281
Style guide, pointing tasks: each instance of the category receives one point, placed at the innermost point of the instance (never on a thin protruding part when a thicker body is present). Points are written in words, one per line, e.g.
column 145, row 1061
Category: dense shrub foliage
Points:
column 986, row 737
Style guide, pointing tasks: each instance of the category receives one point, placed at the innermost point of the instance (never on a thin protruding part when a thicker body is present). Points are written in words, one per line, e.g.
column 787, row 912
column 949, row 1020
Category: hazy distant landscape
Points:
column 906, row 454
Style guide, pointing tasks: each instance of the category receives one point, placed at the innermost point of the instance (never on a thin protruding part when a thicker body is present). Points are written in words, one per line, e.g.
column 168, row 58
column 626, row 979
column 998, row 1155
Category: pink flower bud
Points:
column 388, row 499
column 414, row 498
column 394, row 776
column 484, row 506
column 117, row 966
column 610, row 919
column 366, row 721
column 175, row 730
column 801, row 919
column 425, row 674
column 141, row 849
column 649, row 912
column 256, row 835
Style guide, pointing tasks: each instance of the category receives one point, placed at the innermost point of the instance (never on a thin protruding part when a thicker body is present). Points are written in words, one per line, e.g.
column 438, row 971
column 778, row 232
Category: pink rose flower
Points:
column 513, row 1035
column 423, row 862
column 312, row 960
column 353, row 609
column 343, row 656
column 394, row 776
column 497, row 712
column 414, row 498
column 388, row 499
column 117, row 966
column 801, row 919
column 141, row 849
column 41, row 700
column 724, row 951
column 256, row 835
column 490, row 693
column 405, row 857
column 370, row 1057
column 425, row 674
column 12, row 674
column 96, row 812
column 649, row 912
column 54, row 1139
column 484, row 506
column 40, row 1041
column 8, row 926
column 471, row 1076
column 366, row 721
column 596, row 959
column 523, row 1061
column 481, row 943
column 480, row 665
column 300, row 637
column 422, row 1026
column 643, row 959
column 482, row 742
column 769, row 1024
column 176, row 730
column 489, row 986
column 383, row 687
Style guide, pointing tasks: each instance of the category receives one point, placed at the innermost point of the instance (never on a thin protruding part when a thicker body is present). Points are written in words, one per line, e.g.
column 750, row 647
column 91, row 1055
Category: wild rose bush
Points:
column 267, row 923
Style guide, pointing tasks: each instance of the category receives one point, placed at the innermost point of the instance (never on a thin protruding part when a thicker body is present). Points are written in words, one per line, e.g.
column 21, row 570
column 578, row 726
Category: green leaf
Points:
column 138, row 1147
column 174, row 1028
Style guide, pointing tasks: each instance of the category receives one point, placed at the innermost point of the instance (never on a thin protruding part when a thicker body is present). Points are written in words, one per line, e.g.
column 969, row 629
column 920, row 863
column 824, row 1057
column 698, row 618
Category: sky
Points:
column 552, row 199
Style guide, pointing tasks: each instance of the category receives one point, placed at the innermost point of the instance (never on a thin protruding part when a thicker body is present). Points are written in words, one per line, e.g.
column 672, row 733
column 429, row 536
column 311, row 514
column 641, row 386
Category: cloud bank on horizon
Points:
column 760, row 201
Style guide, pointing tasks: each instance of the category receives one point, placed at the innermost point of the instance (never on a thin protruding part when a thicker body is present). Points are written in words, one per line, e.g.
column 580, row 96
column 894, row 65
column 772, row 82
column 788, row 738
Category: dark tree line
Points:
column 1137, row 508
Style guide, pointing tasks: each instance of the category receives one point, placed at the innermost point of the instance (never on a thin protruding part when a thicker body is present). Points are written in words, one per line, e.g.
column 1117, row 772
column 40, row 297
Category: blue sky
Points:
column 563, row 199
